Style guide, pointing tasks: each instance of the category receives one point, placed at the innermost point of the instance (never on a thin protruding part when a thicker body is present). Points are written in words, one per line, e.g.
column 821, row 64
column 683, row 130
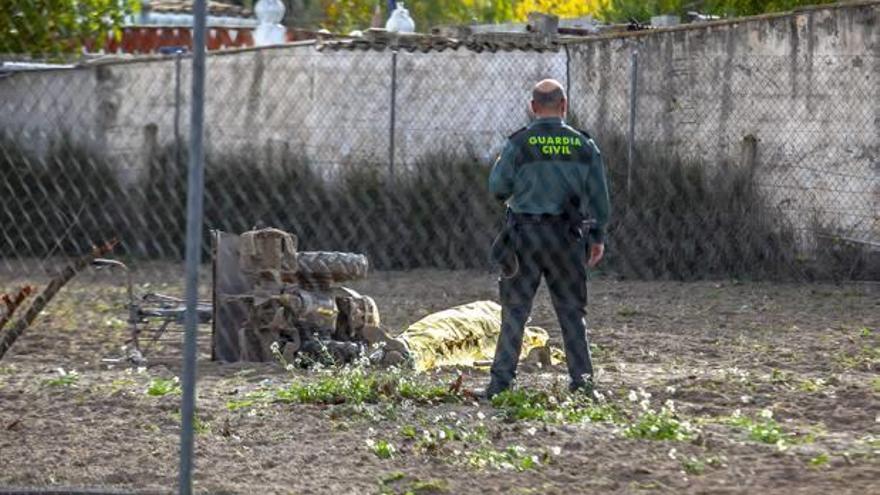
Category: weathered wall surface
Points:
column 805, row 86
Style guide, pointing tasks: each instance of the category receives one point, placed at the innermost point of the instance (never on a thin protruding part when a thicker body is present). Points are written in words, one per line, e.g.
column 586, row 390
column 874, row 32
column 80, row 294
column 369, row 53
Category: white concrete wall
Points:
column 807, row 86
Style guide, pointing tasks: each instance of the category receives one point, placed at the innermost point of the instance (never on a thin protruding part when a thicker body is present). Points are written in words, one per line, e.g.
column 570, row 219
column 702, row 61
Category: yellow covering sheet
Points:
column 461, row 336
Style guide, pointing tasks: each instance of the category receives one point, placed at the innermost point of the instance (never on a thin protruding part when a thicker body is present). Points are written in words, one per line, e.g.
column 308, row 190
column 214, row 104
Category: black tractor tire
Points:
column 338, row 266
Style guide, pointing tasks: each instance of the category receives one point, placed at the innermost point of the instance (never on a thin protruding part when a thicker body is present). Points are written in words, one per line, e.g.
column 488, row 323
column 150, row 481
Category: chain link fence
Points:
column 726, row 171
column 721, row 165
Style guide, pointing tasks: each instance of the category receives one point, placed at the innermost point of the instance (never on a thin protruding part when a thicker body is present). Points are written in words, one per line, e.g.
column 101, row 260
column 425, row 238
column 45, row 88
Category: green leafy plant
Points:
column 408, row 431
column 357, row 386
column 693, row 466
column 64, row 379
column 514, row 457
column 529, row 405
column 382, row 448
column 764, row 429
column 660, row 425
column 820, row 460
column 50, row 28
column 812, row 385
column 160, row 387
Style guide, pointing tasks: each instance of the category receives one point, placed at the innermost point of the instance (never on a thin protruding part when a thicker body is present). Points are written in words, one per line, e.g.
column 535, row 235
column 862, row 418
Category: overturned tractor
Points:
column 271, row 301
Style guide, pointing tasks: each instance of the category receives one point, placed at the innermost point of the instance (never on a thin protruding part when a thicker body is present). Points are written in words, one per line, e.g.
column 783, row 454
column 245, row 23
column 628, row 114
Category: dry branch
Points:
column 18, row 327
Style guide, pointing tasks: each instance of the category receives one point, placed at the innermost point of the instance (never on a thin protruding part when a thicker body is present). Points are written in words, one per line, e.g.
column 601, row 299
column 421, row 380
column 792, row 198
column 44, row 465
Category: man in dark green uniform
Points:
column 553, row 180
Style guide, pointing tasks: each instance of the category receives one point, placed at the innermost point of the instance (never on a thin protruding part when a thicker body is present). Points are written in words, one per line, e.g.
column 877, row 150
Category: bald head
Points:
column 548, row 99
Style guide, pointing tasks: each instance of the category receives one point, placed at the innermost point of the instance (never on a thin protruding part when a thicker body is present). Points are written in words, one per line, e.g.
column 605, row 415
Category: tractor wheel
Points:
column 338, row 266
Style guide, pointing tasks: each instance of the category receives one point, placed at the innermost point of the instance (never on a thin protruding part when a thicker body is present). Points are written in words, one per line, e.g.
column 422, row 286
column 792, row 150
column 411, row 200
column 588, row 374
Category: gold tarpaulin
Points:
column 462, row 336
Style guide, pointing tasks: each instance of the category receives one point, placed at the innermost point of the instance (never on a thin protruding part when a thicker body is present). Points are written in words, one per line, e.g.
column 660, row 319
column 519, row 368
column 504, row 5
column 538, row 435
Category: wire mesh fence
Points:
column 736, row 167
column 387, row 154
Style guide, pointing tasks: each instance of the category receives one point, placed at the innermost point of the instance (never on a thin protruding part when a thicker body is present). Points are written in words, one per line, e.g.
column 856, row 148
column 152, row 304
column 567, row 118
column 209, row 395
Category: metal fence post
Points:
column 393, row 120
column 631, row 134
column 177, row 109
column 195, row 186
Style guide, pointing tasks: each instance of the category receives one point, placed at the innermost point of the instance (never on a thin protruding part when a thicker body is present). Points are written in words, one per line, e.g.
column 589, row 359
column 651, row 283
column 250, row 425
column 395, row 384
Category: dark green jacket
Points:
column 544, row 165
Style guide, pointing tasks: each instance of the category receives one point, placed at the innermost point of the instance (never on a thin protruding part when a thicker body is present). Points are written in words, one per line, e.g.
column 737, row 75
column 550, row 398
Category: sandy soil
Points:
column 808, row 353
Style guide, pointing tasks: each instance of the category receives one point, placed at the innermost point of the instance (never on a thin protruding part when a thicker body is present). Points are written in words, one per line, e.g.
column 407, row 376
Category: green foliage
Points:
column 693, row 466
column 522, row 404
column 358, row 386
column 408, row 431
column 529, row 405
column 624, row 10
column 52, row 28
column 398, row 483
column 514, row 457
column 820, row 460
column 382, row 448
column 682, row 221
column 812, row 385
column 660, row 425
column 160, row 387
column 64, row 379
column 763, row 429
column 433, row 440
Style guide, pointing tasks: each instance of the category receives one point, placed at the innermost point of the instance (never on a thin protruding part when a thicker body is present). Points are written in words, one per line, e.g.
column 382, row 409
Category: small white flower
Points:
column 670, row 389
column 766, row 413
column 480, row 415
column 531, row 431
column 672, row 453
column 441, row 435
column 632, row 396
column 370, row 443
column 556, row 450
column 745, row 399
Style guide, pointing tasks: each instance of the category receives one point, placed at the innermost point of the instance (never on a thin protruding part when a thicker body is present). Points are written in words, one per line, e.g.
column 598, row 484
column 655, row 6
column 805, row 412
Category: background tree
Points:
column 562, row 8
column 55, row 28
column 641, row 10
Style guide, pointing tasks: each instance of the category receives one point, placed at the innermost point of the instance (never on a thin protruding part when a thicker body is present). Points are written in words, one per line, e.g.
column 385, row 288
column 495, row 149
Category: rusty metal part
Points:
column 9, row 336
column 301, row 313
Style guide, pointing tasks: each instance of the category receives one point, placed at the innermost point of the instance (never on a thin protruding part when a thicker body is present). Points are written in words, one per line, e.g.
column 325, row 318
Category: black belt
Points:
column 521, row 218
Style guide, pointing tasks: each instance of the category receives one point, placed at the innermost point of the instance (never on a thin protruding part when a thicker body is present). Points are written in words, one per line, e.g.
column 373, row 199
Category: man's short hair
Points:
column 548, row 99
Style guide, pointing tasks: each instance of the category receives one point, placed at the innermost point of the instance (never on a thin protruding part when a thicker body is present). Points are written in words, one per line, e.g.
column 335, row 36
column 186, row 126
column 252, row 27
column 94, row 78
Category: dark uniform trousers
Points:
column 550, row 248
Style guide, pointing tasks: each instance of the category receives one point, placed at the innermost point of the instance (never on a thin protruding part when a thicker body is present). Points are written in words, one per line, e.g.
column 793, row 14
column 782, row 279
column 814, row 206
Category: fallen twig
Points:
column 9, row 337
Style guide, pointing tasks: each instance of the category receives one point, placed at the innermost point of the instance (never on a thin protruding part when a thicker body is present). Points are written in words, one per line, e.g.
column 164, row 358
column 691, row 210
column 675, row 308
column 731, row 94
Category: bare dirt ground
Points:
column 727, row 354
